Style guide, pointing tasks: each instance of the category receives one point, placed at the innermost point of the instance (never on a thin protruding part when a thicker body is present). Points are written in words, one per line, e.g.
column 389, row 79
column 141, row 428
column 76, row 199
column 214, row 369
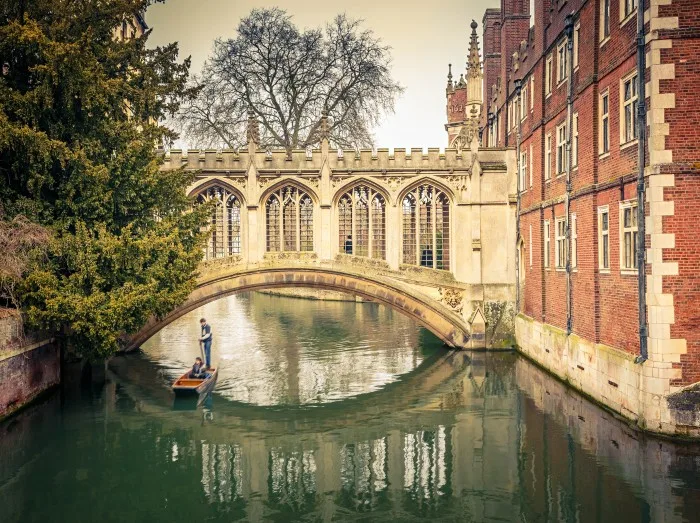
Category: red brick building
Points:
column 563, row 89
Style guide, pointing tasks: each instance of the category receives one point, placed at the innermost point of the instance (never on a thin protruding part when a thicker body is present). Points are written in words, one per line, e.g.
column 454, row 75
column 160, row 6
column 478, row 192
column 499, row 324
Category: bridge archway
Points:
column 434, row 315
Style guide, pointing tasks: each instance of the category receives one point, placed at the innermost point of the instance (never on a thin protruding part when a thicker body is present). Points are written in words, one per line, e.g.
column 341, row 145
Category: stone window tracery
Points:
column 426, row 227
column 362, row 223
column 289, row 214
column 224, row 222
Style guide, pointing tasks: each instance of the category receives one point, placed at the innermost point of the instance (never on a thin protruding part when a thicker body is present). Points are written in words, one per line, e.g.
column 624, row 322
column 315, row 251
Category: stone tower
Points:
column 464, row 98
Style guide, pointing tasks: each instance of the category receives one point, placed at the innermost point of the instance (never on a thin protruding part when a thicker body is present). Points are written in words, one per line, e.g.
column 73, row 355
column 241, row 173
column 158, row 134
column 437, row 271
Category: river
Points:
column 332, row 411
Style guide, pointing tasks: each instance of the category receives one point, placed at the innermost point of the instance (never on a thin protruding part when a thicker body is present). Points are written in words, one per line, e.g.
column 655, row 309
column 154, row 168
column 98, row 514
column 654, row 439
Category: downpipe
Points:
column 569, row 29
column 641, row 188
column 518, row 89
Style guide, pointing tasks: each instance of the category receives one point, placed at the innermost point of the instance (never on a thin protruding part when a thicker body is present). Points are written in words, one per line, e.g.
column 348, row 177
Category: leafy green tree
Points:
column 79, row 107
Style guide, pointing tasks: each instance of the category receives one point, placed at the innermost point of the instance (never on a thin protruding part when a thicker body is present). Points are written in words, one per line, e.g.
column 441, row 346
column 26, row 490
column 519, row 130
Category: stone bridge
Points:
column 431, row 235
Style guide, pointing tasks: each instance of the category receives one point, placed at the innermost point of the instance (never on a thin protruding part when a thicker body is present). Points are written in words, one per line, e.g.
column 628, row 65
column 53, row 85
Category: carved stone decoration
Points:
column 474, row 61
column 459, row 183
column 252, row 128
column 325, row 131
column 338, row 180
column 240, row 182
column 313, row 181
column 469, row 130
column 394, row 182
column 264, row 182
column 452, row 298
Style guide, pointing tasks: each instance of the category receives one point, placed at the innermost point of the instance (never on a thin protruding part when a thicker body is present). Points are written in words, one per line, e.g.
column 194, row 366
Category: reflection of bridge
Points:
column 471, row 446
column 406, row 440
column 457, row 432
column 428, row 234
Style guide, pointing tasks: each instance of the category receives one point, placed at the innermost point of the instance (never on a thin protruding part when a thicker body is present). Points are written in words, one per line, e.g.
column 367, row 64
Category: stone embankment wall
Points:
column 28, row 365
column 611, row 377
column 312, row 294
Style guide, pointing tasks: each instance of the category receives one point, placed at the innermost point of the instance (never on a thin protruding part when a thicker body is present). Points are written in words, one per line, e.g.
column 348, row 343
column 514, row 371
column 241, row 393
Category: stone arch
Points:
column 423, row 180
column 202, row 185
column 435, row 316
column 296, row 182
column 349, row 184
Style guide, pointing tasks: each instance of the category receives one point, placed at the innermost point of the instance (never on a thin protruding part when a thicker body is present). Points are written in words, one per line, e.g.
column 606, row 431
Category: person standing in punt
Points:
column 205, row 338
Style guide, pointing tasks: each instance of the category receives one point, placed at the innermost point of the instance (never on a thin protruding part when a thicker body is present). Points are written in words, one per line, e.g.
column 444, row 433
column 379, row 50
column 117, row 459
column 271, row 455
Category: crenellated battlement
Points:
column 382, row 159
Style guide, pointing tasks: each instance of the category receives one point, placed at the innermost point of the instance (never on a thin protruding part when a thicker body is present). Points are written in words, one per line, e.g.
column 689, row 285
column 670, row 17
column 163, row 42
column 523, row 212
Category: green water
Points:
column 331, row 411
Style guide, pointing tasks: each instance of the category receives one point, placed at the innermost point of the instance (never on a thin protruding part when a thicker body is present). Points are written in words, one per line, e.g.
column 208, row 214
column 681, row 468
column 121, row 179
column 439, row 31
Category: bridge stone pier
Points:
column 431, row 234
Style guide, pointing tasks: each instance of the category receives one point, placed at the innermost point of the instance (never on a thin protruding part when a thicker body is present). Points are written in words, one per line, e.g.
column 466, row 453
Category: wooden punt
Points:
column 186, row 386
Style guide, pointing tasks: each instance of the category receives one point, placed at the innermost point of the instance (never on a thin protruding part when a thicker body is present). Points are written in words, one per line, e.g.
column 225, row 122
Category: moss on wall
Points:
column 500, row 324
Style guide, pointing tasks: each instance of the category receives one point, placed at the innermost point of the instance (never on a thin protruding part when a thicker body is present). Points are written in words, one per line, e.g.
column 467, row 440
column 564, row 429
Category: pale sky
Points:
column 424, row 35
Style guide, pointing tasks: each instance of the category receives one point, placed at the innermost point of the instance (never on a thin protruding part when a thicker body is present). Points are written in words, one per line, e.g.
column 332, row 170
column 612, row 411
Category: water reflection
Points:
column 274, row 351
column 464, row 437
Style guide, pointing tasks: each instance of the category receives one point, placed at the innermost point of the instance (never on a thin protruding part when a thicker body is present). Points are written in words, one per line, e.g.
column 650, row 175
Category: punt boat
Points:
column 186, row 386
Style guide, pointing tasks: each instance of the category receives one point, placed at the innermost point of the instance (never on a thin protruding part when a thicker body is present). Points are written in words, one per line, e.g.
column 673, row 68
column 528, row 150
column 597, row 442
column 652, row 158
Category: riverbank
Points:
column 26, row 373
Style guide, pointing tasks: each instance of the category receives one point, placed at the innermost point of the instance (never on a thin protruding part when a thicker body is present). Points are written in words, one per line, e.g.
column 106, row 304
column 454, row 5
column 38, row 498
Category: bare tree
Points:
column 289, row 78
column 21, row 243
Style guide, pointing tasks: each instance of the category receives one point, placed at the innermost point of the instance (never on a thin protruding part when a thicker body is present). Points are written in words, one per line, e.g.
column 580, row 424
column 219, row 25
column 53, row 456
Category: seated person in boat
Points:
column 198, row 371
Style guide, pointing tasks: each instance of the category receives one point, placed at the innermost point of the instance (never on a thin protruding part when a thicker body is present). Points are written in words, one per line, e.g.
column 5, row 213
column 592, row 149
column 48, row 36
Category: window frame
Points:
column 625, row 14
column 633, row 104
column 361, row 196
column 577, row 39
column 523, row 171
column 298, row 226
column 548, row 157
column 604, row 121
column 604, row 21
column 225, row 223
column 562, row 63
column 546, row 239
column 431, row 222
column 548, row 75
column 603, row 239
column 532, row 94
column 574, row 242
column 562, row 158
column 633, row 231
column 560, row 243
column 574, row 142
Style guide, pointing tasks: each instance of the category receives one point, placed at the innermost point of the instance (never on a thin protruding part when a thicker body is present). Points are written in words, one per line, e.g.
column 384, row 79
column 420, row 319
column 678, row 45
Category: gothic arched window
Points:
column 289, row 214
column 224, row 222
column 426, row 227
column 362, row 222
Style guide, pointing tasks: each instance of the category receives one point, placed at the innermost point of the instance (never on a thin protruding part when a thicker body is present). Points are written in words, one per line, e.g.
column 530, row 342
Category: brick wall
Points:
column 604, row 301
